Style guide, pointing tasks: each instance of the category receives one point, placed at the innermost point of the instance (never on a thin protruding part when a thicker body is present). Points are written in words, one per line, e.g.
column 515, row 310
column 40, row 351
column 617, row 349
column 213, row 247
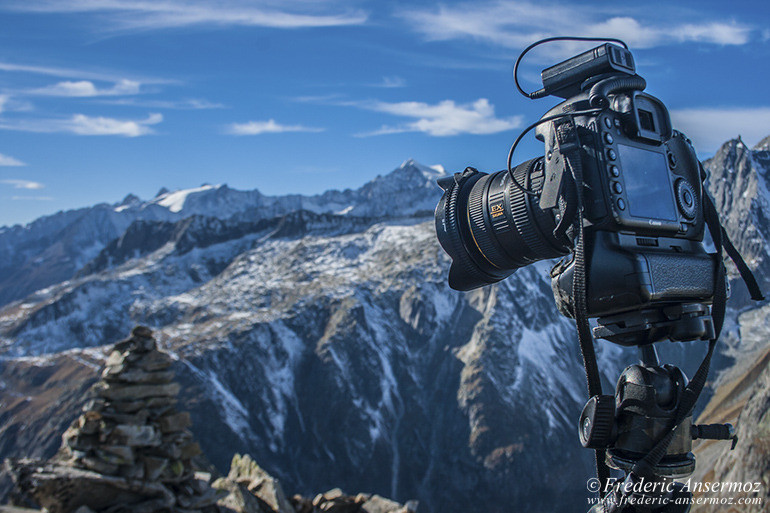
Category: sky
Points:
column 102, row 98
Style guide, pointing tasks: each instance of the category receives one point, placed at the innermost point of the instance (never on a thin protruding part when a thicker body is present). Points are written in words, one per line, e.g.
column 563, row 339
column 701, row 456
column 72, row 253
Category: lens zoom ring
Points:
column 525, row 225
column 482, row 235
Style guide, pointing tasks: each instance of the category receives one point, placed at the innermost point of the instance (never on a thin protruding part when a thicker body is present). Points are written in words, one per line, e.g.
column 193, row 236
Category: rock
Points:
column 236, row 497
column 137, row 436
column 270, row 491
column 332, row 494
column 174, row 422
column 134, row 392
column 142, row 332
column 208, row 498
column 363, row 497
column 190, row 451
column 377, row 504
column 153, row 405
column 154, row 361
column 88, row 423
column 137, row 418
column 132, row 472
column 244, row 470
column 120, row 454
column 154, row 467
column 301, row 504
column 98, row 465
column 120, row 373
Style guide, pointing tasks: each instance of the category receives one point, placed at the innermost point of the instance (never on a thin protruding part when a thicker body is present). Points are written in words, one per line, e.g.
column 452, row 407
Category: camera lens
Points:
column 490, row 228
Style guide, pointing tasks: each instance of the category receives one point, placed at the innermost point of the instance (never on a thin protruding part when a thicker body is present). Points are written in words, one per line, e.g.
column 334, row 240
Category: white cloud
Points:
column 517, row 24
column 5, row 160
column 391, row 82
column 266, row 127
column 86, row 88
column 146, row 15
column 444, row 118
column 75, row 73
column 32, row 198
column 708, row 128
column 23, row 184
column 80, row 124
column 188, row 104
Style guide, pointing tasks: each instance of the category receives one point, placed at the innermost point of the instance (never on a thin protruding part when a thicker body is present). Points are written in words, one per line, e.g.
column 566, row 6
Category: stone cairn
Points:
column 130, row 450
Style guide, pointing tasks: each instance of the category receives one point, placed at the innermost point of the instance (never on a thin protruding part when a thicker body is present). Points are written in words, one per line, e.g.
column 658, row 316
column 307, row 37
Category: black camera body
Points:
column 642, row 205
column 644, row 219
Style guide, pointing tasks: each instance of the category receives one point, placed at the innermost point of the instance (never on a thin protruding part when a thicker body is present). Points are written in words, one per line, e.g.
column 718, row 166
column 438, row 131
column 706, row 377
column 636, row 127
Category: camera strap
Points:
column 569, row 147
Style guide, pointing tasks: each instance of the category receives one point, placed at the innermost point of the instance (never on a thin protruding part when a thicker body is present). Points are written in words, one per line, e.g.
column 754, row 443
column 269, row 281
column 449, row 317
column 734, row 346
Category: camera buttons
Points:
column 621, row 204
column 671, row 160
column 617, row 188
column 608, row 138
column 615, row 171
column 608, row 122
column 611, row 154
column 617, row 122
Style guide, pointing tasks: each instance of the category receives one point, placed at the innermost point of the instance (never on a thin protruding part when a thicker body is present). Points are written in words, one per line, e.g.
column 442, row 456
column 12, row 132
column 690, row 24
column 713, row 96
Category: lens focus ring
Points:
column 480, row 231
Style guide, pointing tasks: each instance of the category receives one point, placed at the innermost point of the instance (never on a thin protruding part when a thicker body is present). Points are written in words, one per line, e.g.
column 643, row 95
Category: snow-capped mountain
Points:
column 318, row 334
column 53, row 248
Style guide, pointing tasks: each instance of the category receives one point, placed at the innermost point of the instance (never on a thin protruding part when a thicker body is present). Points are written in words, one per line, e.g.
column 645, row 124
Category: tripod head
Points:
column 646, row 408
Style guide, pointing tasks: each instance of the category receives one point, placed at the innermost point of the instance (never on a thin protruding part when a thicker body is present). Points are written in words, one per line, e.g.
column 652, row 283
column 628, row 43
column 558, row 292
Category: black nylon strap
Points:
column 569, row 146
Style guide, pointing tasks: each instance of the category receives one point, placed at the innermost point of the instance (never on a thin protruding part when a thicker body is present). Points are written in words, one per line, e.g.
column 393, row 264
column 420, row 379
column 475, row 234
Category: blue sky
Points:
column 101, row 98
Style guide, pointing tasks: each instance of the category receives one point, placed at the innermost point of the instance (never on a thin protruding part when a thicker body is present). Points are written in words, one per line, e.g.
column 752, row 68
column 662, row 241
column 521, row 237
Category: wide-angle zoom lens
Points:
column 490, row 227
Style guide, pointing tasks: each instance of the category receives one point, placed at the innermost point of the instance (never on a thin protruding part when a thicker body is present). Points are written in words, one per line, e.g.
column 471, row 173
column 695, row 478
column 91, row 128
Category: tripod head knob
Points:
column 597, row 422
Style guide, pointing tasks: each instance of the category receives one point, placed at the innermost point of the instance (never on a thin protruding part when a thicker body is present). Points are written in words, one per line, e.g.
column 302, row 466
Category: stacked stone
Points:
column 131, row 428
column 132, row 433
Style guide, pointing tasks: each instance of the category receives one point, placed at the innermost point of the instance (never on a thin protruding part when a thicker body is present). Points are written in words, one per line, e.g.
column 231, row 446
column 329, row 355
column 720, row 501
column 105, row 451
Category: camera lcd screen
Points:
column 648, row 188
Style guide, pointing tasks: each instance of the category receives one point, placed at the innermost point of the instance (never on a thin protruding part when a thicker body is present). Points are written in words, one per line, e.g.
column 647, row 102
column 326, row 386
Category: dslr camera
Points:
column 638, row 195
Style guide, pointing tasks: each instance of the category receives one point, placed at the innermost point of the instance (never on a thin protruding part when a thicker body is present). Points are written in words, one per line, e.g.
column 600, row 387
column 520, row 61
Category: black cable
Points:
column 530, row 127
column 541, row 93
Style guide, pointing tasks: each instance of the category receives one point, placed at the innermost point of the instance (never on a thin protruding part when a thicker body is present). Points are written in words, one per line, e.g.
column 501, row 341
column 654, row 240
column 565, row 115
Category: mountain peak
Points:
column 763, row 145
column 175, row 200
column 412, row 173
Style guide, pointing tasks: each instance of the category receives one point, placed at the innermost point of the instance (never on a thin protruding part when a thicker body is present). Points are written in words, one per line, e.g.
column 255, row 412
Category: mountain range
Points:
column 318, row 334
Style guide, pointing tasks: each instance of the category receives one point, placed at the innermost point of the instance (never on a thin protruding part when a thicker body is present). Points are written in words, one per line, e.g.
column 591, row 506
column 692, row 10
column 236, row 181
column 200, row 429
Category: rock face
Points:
column 738, row 182
column 130, row 450
column 742, row 398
